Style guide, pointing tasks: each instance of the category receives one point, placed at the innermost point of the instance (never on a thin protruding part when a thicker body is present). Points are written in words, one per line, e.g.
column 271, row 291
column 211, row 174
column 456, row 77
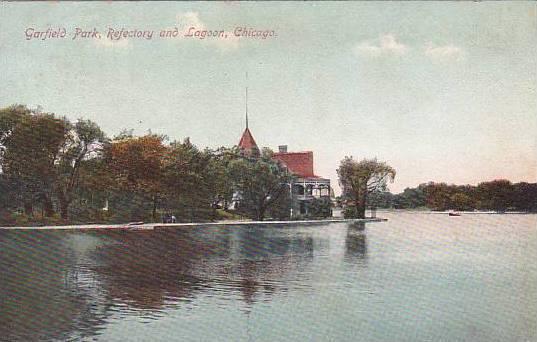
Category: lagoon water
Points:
column 417, row 277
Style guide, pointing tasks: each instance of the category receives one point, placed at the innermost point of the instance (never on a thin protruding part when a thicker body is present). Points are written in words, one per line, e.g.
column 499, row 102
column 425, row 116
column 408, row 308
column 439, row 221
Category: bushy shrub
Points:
column 7, row 219
column 350, row 212
column 320, row 208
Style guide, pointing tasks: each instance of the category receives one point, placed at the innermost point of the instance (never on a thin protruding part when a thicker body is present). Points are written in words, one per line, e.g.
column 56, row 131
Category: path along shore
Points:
column 153, row 226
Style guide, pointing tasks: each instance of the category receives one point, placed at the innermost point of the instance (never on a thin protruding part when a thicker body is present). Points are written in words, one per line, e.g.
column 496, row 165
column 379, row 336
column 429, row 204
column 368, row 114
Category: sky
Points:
column 442, row 92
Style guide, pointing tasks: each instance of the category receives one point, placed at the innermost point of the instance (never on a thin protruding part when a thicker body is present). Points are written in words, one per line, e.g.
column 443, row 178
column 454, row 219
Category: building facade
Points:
column 307, row 186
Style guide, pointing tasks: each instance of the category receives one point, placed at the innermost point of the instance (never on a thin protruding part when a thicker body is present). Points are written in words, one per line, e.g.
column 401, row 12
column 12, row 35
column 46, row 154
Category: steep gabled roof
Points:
column 247, row 141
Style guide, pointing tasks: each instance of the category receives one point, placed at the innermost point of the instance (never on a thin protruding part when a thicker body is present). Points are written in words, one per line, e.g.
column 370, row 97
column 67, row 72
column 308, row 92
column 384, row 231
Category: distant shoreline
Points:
column 427, row 211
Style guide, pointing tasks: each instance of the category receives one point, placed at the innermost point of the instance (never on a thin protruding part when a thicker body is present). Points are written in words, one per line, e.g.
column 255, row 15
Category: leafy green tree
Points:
column 6, row 205
column 381, row 199
column 525, row 196
column 411, row 198
column 32, row 144
column 460, row 201
column 261, row 183
column 360, row 179
column 95, row 187
column 219, row 174
column 496, row 195
column 190, row 180
column 438, row 195
column 83, row 144
column 320, row 208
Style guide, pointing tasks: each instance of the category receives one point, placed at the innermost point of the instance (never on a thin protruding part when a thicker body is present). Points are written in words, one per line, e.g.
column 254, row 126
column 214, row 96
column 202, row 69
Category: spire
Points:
column 246, row 100
column 247, row 143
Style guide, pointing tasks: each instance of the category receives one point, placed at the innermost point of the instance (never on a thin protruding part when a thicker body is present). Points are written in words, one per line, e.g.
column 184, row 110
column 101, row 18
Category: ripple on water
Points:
column 415, row 277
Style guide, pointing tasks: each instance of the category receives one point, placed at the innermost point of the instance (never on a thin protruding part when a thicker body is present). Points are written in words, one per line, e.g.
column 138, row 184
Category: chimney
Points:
column 282, row 148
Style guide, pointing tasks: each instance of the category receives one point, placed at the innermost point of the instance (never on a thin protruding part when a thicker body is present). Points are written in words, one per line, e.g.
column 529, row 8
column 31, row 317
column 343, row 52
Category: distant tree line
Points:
column 54, row 171
column 497, row 195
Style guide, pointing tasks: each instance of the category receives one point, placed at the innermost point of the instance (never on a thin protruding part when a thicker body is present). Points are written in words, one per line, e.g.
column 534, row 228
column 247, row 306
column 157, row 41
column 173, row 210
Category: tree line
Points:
column 497, row 195
column 55, row 171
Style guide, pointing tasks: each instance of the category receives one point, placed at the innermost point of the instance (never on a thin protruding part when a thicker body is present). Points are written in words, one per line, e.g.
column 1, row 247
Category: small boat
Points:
column 454, row 214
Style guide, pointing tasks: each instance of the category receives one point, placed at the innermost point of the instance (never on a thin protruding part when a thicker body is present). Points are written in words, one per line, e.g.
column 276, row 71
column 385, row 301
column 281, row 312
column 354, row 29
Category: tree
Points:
column 525, row 196
column 496, row 195
column 320, row 208
column 261, row 183
column 219, row 174
column 190, row 181
column 381, row 199
column 5, row 201
column 85, row 142
column 439, row 195
column 410, row 198
column 359, row 179
column 461, row 202
column 95, row 187
column 31, row 149
column 10, row 196
column 136, row 165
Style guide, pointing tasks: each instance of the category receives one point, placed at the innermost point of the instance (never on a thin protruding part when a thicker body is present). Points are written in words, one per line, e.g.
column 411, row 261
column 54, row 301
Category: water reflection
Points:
column 145, row 269
column 155, row 269
column 356, row 242
column 60, row 285
column 44, row 294
column 326, row 280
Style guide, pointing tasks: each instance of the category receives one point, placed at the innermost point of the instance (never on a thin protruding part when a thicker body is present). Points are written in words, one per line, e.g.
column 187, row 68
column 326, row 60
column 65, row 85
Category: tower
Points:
column 247, row 144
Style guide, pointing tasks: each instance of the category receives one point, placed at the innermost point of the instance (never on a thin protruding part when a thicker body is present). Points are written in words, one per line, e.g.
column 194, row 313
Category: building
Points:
column 307, row 186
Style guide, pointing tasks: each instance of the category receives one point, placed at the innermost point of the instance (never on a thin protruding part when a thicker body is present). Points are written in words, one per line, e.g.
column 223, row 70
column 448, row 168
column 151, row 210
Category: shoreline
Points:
column 154, row 226
column 425, row 211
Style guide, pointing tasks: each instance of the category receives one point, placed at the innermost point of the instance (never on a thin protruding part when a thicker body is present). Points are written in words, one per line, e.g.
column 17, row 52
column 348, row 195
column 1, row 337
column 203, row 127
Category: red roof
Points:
column 299, row 163
column 247, row 140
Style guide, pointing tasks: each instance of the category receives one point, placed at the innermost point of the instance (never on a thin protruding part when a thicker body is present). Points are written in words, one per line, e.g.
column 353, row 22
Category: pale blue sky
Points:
column 441, row 91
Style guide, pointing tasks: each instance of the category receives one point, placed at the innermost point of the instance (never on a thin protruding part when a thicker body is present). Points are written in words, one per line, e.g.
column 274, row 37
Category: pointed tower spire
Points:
column 247, row 143
column 247, row 100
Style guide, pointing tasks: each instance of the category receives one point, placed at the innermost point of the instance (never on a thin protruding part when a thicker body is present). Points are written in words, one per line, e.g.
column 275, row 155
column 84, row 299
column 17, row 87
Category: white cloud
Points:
column 384, row 45
column 443, row 53
column 191, row 19
column 188, row 19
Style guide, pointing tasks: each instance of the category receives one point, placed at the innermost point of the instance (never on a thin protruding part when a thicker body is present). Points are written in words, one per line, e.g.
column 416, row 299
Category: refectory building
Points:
column 307, row 186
